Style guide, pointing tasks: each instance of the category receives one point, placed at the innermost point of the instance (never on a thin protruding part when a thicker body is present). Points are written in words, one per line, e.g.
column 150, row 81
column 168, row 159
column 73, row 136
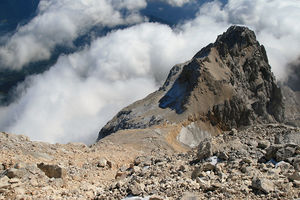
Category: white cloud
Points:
column 177, row 3
column 77, row 96
column 59, row 22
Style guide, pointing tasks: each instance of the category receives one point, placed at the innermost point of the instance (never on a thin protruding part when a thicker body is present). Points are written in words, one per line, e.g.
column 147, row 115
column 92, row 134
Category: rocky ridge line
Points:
column 228, row 84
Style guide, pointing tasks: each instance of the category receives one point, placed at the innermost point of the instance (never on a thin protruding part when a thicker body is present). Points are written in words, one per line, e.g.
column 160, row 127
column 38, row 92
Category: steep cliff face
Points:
column 293, row 79
column 226, row 85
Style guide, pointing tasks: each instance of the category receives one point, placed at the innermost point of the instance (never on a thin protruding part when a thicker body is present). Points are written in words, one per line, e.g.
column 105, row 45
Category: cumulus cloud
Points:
column 59, row 22
column 175, row 3
column 79, row 94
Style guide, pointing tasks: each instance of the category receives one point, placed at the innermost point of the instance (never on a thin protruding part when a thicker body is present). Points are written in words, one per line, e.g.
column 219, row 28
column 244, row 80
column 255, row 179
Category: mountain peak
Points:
column 227, row 84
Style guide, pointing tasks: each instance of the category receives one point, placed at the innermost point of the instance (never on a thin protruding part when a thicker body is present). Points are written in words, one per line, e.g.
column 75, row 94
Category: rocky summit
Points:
column 228, row 84
column 219, row 128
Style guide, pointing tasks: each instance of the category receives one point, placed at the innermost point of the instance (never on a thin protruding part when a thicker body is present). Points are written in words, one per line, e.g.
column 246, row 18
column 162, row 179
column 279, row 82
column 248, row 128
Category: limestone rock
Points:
column 102, row 163
column 263, row 144
column 263, row 185
column 295, row 176
column 52, row 171
column 204, row 149
column 4, row 182
column 16, row 173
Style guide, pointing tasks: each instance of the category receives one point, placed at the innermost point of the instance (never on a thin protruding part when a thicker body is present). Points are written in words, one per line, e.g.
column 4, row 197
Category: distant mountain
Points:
column 228, row 84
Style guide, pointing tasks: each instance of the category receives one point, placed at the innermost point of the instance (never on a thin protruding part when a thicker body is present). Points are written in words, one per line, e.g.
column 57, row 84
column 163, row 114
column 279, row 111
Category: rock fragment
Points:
column 204, row 149
column 52, row 171
column 262, row 184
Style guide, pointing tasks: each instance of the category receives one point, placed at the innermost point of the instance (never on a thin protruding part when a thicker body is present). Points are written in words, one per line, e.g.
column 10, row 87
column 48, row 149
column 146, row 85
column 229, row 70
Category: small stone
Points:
column 19, row 165
column 271, row 151
column 295, row 176
column 183, row 168
column 14, row 180
column 296, row 183
column 138, row 160
column 20, row 191
column 1, row 167
column 285, row 152
column 52, row 171
column 247, row 160
column 213, row 160
column 223, row 156
column 102, row 163
column 18, row 173
column 136, row 189
column 252, row 143
column 156, row 198
column 208, row 166
column 109, row 164
column 233, row 132
column 283, row 166
column 197, row 171
column 136, row 169
column 202, row 183
column 262, row 184
column 4, row 182
column 263, row 144
column 120, row 175
column 296, row 163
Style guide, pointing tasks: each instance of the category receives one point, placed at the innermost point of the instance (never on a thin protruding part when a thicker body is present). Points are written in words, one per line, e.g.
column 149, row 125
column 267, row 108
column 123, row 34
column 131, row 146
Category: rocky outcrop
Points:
column 226, row 85
column 292, row 106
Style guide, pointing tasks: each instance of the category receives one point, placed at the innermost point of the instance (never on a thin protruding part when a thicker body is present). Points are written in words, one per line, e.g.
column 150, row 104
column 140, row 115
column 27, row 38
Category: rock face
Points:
column 293, row 80
column 226, row 85
column 292, row 106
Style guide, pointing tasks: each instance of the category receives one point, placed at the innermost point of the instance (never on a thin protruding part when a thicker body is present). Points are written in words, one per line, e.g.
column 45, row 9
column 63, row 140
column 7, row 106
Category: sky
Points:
column 77, row 96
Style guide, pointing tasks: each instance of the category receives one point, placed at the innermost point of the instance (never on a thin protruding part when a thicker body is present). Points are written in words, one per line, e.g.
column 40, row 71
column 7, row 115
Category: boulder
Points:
column 288, row 138
column 295, row 176
column 262, row 184
column 102, row 163
column 16, row 173
column 263, row 144
column 4, row 182
column 52, row 171
column 204, row 149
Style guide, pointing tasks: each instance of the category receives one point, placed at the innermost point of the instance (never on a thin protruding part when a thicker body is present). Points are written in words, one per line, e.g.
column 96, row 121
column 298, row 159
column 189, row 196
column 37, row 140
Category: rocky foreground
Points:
column 260, row 162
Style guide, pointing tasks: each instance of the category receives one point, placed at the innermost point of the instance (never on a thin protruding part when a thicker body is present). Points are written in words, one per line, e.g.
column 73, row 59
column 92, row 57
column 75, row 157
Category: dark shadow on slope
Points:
column 174, row 98
column 177, row 96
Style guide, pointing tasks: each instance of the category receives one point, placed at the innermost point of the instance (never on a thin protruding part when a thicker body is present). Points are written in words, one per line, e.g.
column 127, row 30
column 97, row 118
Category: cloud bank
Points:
column 82, row 91
column 175, row 3
column 60, row 22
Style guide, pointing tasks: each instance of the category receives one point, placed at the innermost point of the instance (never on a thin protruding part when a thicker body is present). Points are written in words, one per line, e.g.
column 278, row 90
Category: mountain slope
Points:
column 228, row 84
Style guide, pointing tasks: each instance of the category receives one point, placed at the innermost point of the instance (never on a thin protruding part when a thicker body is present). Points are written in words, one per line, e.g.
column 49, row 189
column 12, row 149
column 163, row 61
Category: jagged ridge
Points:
column 227, row 84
